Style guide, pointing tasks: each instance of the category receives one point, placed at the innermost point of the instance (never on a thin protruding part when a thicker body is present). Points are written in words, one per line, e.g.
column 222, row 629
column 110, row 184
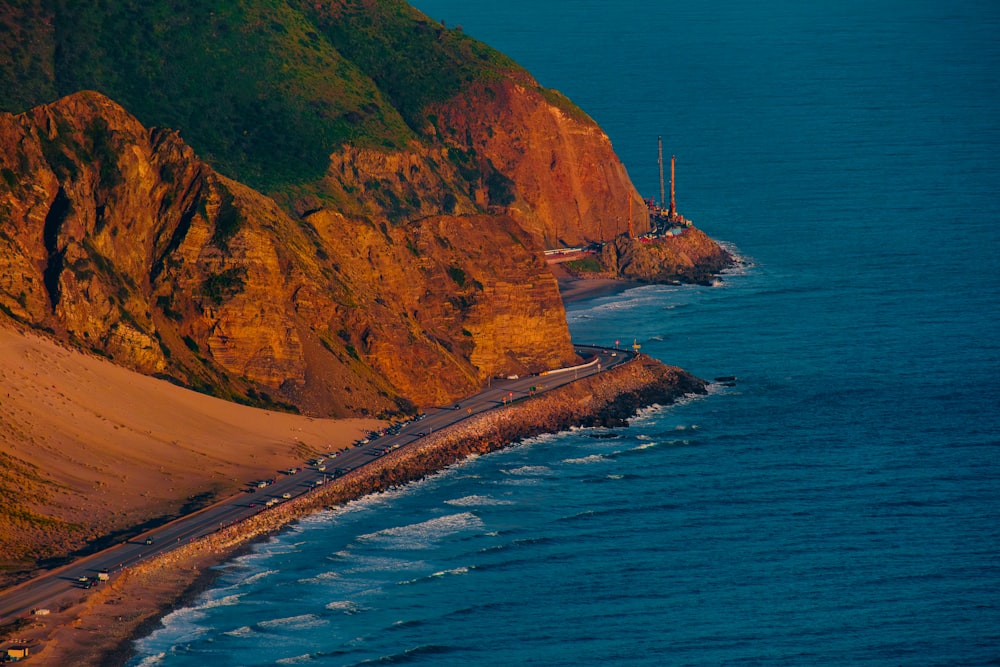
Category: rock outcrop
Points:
column 121, row 240
column 568, row 187
column 689, row 257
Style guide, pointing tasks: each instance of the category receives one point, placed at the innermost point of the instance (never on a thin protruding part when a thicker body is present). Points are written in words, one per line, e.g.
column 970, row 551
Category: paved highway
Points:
column 54, row 588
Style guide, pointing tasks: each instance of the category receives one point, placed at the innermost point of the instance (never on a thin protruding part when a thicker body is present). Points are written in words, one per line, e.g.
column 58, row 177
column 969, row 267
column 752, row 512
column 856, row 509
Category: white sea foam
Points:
column 294, row 660
column 153, row 660
column 478, row 501
column 364, row 563
column 541, row 438
column 436, row 575
column 344, row 606
column 254, row 578
column 528, row 470
column 743, row 263
column 424, row 534
column 321, row 578
column 645, row 445
column 593, row 458
column 242, row 631
column 300, row 622
column 181, row 626
column 520, row 481
column 226, row 601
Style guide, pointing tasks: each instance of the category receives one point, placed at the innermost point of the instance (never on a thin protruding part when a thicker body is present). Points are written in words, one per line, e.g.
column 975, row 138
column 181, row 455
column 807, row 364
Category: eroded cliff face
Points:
column 120, row 240
column 505, row 147
column 568, row 186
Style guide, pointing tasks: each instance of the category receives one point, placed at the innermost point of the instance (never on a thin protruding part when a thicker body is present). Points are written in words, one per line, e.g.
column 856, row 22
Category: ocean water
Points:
column 840, row 504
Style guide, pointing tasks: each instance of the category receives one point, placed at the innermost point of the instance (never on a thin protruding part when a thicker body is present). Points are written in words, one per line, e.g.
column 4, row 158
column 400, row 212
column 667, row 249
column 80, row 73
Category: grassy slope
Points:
column 250, row 84
column 264, row 90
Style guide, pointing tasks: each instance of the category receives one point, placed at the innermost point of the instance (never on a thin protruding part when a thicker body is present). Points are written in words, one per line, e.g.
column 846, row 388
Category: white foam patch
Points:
column 243, row 631
column 153, row 660
column 301, row 622
column 321, row 578
column 362, row 563
column 424, row 534
column 478, row 501
column 593, row 458
column 254, row 578
column 436, row 575
column 226, row 601
column 520, row 481
column 295, row 660
column 645, row 445
column 345, row 607
column 528, row 470
column 181, row 626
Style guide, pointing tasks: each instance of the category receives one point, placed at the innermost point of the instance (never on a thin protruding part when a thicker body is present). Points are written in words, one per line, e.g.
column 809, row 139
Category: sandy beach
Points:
column 574, row 289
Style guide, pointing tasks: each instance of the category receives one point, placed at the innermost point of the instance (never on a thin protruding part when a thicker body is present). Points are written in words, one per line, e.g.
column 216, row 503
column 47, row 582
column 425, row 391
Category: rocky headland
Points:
column 336, row 210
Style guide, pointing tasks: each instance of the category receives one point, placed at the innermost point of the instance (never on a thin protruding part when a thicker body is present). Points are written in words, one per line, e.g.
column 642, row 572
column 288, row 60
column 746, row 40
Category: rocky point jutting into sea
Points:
column 357, row 238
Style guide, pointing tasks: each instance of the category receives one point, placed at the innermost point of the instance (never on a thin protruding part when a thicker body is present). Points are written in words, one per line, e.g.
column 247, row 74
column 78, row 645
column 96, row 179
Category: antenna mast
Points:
column 673, row 205
column 659, row 145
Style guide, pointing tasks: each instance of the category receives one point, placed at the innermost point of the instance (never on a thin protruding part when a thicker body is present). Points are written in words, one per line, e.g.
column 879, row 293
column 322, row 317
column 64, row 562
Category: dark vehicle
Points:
column 149, row 540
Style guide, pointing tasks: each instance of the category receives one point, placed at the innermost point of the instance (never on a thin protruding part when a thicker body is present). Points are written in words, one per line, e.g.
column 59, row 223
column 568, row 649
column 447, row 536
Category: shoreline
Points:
column 573, row 288
column 101, row 627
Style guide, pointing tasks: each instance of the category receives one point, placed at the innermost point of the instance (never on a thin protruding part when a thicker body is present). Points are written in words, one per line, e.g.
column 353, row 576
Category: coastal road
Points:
column 59, row 586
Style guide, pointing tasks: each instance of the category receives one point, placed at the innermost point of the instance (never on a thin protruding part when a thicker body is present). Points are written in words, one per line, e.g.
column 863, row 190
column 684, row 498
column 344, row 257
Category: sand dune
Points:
column 88, row 448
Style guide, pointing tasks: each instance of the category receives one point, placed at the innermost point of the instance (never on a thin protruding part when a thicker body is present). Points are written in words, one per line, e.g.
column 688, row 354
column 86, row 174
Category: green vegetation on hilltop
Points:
column 414, row 60
column 250, row 83
column 264, row 90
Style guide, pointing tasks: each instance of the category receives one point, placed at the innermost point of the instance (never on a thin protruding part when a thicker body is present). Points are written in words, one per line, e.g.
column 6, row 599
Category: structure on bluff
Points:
column 663, row 218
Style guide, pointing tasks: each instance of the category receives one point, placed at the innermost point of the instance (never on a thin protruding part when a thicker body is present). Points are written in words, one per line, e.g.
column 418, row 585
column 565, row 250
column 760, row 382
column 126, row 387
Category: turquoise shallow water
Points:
column 840, row 504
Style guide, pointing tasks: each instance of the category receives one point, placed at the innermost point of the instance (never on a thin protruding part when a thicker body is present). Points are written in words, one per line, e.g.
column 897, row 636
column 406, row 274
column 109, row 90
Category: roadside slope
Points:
column 91, row 449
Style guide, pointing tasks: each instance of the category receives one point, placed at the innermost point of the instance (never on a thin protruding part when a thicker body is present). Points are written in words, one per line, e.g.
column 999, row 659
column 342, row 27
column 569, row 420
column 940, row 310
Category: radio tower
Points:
column 659, row 145
column 673, row 205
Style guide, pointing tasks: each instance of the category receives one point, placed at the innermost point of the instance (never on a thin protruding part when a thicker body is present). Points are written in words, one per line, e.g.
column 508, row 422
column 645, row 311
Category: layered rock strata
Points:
column 119, row 239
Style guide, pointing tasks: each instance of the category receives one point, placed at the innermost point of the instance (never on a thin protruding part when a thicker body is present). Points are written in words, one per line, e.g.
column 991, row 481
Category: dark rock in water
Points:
column 726, row 378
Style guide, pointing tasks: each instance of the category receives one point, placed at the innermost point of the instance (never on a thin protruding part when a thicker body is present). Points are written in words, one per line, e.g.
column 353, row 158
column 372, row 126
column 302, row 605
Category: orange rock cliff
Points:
column 120, row 240
column 406, row 273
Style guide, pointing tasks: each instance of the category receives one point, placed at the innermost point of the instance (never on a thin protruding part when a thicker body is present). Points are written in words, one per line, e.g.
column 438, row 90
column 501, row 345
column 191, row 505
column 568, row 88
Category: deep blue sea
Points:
column 841, row 504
